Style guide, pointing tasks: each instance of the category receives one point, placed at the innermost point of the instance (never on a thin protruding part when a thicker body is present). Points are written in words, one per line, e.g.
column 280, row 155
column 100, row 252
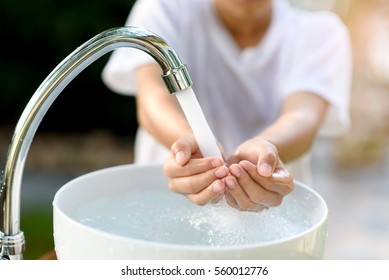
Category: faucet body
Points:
column 175, row 76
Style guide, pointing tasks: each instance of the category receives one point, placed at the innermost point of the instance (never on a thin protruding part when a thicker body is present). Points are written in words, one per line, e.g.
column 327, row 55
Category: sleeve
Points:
column 321, row 60
column 153, row 15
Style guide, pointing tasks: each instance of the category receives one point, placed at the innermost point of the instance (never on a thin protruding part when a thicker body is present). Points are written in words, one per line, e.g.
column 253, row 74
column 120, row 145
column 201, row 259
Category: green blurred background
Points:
column 35, row 37
column 38, row 35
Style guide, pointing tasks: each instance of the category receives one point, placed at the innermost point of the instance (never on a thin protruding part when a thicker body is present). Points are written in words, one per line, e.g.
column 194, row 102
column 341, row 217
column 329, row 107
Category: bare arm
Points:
column 290, row 136
column 295, row 130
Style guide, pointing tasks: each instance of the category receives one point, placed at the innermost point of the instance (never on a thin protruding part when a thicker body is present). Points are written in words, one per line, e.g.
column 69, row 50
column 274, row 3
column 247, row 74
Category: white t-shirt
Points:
column 241, row 91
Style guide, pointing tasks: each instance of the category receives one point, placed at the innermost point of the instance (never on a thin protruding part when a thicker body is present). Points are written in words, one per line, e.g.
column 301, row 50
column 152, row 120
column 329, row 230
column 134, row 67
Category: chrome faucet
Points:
column 175, row 76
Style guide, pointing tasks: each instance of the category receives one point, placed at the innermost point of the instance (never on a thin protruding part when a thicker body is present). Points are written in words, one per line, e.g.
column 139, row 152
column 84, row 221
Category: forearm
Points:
column 293, row 136
column 294, row 132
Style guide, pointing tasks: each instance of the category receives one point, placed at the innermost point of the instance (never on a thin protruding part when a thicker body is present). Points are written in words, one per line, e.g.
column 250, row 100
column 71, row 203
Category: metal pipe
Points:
column 175, row 76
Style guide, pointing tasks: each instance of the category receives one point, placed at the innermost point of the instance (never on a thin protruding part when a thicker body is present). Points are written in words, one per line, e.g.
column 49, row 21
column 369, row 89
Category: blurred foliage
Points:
column 37, row 225
column 36, row 37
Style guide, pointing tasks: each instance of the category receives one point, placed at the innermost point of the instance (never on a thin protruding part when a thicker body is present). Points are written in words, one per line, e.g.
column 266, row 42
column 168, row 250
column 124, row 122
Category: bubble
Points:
column 170, row 218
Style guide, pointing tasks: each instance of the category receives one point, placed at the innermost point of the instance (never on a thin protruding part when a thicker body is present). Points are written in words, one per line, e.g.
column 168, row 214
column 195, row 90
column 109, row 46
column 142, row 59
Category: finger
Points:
column 195, row 166
column 281, row 182
column 217, row 199
column 239, row 178
column 250, row 182
column 267, row 161
column 232, row 202
column 195, row 183
column 210, row 193
column 183, row 149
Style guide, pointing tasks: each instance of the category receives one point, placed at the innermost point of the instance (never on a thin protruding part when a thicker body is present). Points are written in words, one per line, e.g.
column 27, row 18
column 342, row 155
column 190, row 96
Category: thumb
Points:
column 182, row 149
column 267, row 161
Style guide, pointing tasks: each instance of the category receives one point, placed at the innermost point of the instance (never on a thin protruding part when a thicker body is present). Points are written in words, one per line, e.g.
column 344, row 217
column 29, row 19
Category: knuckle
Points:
column 258, row 199
column 166, row 168
column 277, row 201
column 286, row 187
column 245, row 205
column 270, row 157
column 291, row 185
column 244, row 180
column 171, row 185
column 189, row 186
column 179, row 145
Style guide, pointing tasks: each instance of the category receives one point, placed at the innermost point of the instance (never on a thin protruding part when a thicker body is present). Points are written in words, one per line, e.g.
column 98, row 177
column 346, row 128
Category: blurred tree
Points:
column 36, row 37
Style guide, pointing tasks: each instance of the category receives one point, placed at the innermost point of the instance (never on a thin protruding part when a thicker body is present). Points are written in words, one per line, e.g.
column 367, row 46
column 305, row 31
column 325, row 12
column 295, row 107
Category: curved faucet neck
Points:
column 175, row 76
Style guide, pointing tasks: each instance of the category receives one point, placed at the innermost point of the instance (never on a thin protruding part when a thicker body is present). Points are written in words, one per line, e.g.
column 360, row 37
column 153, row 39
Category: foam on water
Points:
column 170, row 218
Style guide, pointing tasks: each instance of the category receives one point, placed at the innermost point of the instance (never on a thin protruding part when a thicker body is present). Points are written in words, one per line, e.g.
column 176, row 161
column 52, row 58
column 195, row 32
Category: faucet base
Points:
column 12, row 246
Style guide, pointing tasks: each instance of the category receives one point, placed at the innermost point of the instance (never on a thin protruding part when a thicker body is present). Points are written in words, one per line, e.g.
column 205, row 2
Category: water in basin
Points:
column 159, row 215
column 128, row 212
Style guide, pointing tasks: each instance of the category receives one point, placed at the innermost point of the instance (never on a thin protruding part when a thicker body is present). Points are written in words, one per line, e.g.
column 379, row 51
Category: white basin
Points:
column 74, row 239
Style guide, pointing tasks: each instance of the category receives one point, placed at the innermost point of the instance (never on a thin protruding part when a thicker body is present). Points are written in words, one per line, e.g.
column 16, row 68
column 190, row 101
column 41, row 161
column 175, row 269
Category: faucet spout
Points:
column 175, row 76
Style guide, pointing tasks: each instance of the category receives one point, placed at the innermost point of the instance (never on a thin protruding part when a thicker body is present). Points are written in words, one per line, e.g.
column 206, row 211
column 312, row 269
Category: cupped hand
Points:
column 258, row 179
column 200, row 179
